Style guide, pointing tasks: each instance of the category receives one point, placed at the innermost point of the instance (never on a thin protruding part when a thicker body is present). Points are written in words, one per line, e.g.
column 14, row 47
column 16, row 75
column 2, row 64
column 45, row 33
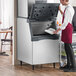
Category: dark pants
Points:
column 70, row 55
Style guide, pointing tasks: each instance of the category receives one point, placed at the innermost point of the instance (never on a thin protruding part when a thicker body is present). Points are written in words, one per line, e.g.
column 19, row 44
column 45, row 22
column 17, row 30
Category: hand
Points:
column 0, row 22
column 56, row 31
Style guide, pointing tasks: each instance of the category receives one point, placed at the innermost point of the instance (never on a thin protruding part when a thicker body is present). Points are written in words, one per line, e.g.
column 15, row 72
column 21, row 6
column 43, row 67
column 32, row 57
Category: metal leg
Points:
column 32, row 67
column 1, row 46
column 21, row 63
column 54, row 65
column 11, row 49
column 41, row 66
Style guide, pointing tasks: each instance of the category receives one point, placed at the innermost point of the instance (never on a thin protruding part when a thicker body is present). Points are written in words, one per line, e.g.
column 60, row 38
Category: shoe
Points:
column 70, row 70
column 65, row 67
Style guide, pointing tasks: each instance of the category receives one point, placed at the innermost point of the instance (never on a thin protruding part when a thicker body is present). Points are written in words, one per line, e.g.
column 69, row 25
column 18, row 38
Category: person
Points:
column 66, row 35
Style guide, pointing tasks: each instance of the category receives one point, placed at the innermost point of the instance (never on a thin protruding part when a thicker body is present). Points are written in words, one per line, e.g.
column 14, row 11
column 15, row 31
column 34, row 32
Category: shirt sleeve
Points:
column 67, row 19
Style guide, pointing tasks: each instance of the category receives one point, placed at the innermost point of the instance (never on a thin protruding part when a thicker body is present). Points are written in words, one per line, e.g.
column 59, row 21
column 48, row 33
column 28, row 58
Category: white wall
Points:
column 53, row 1
column 73, row 2
column 0, row 10
column 50, row 1
column 57, row 1
column 6, row 13
column 7, row 17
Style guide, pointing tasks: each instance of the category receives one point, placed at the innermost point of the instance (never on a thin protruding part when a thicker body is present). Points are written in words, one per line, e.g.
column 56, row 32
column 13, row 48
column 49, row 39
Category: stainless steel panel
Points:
column 38, row 28
column 44, row 12
column 45, row 51
column 24, row 7
column 24, row 44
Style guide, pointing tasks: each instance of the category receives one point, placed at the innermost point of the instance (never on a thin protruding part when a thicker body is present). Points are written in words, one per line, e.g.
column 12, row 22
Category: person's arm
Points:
column 60, row 10
column 67, row 19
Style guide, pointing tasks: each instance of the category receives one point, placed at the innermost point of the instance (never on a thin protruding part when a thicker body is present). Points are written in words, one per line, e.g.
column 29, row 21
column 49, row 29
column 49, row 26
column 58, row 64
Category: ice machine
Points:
column 34, row 46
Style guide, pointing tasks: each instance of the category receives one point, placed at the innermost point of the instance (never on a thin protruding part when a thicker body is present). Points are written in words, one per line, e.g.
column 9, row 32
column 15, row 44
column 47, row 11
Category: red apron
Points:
column 67, row 32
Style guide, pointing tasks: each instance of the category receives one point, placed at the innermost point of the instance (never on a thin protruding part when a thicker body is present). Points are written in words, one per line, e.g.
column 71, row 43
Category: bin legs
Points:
column 54, row 65
column 21, row 63
column 33, row 67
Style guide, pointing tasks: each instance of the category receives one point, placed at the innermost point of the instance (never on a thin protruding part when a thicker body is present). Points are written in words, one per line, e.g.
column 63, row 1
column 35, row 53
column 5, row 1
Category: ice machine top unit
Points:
column 43, row 16
column 44, row 11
